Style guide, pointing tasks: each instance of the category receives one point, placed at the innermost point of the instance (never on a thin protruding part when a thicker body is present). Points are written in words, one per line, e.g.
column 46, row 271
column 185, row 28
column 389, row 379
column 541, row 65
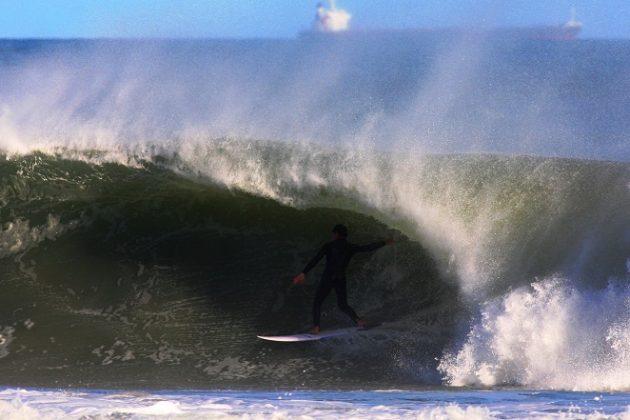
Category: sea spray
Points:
column 418, row 96
column 549, row 335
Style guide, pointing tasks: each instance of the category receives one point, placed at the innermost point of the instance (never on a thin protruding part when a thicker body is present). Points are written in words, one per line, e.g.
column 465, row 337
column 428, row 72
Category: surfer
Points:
column 338, row 253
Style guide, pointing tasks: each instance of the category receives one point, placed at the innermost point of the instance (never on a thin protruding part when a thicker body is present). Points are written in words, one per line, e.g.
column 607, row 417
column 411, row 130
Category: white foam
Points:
column 434, row 405
column 18, row 236
column 549, row 335
column 7, row 335
column 22, row 404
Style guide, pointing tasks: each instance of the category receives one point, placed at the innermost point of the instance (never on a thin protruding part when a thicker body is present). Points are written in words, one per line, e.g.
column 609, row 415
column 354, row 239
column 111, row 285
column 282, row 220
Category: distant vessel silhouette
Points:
column 333, row 21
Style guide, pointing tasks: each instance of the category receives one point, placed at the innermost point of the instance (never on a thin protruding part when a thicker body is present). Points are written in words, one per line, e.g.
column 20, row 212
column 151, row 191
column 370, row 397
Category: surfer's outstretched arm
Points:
column 299, row 279
column 317, row 258
column 373, row 246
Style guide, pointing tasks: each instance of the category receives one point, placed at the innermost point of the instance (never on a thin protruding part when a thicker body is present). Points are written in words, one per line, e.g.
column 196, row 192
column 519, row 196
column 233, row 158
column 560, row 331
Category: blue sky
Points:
column 286, row 18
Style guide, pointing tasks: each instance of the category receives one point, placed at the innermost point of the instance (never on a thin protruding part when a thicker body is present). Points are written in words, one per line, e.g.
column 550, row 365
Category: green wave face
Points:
column 141, row 277
column 161, row 271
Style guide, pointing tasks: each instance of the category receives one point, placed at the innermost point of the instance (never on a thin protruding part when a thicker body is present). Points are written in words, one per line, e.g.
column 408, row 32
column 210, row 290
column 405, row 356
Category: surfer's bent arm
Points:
column 299, row 279
column 317, row 258
column 370, row 247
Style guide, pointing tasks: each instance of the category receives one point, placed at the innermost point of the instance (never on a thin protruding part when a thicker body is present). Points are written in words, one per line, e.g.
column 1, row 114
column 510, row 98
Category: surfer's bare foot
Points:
column 315, row 330
column 361, row 323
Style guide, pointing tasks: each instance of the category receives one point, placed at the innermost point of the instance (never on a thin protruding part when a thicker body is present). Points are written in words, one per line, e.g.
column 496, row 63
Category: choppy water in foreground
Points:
column 470, row 404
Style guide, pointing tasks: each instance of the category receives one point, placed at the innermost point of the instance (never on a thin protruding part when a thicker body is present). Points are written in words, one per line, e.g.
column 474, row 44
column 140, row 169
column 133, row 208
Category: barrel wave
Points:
column 118, row 274
column 157, row 266
column 158, row 196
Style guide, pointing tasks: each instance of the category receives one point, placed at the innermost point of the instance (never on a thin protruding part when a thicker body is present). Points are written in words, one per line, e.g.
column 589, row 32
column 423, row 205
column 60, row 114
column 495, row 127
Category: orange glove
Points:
column 299, row 279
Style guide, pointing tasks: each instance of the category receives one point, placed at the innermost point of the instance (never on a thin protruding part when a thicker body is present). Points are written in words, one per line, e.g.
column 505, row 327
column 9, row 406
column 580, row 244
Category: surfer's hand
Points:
column 299, row 279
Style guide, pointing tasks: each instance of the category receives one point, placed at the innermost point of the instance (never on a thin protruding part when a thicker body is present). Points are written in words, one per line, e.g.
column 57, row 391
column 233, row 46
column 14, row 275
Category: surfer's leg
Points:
column 342, row 299
column 323, row 289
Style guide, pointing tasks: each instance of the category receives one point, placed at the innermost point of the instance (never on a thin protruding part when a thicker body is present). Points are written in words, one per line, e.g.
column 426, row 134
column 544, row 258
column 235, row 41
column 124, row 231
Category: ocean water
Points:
column 390, row 404
column 157, row 197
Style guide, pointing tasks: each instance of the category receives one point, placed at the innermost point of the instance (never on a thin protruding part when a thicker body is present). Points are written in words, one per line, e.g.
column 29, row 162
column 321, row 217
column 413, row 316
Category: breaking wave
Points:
column 158, row 265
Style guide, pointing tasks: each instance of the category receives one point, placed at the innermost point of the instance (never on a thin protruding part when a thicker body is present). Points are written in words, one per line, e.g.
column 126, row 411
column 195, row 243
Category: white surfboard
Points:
column 310, row 337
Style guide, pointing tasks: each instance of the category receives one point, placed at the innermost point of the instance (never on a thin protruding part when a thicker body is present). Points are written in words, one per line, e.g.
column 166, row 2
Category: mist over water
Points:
column 505, row 163
column 433, row 96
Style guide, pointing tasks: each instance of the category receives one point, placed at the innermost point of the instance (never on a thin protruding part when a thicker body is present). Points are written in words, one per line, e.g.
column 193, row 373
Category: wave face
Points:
column 140, row 276
column 157, row 198
column 155, row 273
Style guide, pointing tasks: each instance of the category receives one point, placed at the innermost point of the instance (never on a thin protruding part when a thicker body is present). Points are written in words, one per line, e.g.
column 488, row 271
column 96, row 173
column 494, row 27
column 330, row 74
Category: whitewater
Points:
column 158, row 196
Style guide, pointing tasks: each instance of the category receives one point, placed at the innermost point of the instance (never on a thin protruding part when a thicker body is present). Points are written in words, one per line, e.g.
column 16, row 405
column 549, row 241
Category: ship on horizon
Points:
column 333, row 21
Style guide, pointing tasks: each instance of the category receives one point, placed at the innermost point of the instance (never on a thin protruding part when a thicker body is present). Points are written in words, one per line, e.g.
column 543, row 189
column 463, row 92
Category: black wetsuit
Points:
column 338, row 254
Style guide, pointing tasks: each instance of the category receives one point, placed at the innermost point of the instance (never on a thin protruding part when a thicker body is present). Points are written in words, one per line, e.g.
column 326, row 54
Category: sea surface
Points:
column 158, row 196
column 389, row 404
